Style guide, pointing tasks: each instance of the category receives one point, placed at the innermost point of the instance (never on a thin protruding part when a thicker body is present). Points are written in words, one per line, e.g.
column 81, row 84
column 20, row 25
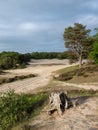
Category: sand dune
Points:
column 44, row 76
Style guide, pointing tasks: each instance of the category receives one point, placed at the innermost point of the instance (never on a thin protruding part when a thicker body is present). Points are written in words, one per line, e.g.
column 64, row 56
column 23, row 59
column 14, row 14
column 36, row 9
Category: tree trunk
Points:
column 80, row 61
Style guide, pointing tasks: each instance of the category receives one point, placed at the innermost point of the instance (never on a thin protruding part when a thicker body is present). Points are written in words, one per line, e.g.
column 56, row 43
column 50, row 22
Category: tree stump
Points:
column 59, row 101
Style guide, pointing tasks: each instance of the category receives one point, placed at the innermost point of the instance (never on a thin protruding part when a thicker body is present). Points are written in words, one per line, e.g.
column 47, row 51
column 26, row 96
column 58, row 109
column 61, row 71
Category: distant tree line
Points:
column 13, row 60
column 49, row 55
column 9, row 60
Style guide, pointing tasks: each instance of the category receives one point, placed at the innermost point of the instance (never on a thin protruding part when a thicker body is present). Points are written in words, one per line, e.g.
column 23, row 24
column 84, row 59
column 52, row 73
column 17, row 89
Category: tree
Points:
column 6, row 62
column 94, row 53
column 10, row 60
column 75, row 39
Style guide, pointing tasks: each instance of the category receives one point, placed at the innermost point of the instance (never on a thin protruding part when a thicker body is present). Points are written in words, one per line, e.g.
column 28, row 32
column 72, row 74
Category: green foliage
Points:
column 75, row 39
column 75, row 36
column 10, row 60
column 72, row 57
column 71, row 72
column 16, row 108
column 96, row 35
column 13, row 60
column 50, row 55
column 88, row 46
column 44, row 55
column 63, row 55
column 94, row 53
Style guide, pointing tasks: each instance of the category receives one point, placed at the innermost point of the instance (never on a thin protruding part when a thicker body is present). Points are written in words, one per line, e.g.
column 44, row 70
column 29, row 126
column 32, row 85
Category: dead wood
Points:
column 59, row 101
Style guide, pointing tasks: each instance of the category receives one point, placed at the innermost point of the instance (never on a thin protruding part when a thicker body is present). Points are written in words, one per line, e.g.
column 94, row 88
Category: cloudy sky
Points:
column 38, row 25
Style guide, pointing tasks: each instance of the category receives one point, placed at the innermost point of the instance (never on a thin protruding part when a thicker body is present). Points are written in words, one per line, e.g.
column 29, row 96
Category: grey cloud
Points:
column 40, row 23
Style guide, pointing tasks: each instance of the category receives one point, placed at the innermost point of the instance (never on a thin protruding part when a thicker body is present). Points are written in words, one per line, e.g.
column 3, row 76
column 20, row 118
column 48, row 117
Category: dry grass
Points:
column 87, row 78
column 64, row 70
column 87, row 74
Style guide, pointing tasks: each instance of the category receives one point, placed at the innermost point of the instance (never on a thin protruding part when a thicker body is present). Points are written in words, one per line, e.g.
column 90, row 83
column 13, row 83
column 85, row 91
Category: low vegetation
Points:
column 1, row 71
column 86, row 74
column 17, row 108
column 82, row 92
column 9, row 80
column 67, row 69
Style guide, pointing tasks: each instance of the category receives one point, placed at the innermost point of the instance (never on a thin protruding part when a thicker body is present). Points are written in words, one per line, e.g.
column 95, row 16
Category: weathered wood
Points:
column 59, row 101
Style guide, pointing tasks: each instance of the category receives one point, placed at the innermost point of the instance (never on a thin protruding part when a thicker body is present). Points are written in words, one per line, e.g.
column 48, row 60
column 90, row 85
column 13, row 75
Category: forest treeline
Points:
column 14, row 60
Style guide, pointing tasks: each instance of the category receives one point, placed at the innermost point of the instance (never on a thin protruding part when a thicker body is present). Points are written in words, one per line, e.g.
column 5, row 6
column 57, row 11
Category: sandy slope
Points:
column 28, row 85
column 44, row 69
column 83, row 117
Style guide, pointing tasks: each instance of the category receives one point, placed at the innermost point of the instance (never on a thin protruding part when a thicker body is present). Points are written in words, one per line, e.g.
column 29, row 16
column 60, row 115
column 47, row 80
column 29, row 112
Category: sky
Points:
column 38, row 25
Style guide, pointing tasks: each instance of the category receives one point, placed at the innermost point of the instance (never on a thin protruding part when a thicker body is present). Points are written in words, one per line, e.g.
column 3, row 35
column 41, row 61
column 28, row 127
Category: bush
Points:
column 77, row 72
column 9, row 80
column 2, row 81
column 94, row 54
column 15, row 108
column 10, row 60
column 66, row 76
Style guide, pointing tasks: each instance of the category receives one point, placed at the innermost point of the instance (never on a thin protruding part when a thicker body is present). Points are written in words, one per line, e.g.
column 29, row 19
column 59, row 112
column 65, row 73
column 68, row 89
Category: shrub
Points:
column 9, row 80
column 77, row 72
column 15, row 108
column 66, row 76
column 2, row 81
column 10, row 60
column 94, row 54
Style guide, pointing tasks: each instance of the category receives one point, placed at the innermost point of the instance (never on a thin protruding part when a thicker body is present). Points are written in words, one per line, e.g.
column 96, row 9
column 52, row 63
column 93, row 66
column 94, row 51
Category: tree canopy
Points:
column 94, row 53
column 75, row 39
column 13, row 60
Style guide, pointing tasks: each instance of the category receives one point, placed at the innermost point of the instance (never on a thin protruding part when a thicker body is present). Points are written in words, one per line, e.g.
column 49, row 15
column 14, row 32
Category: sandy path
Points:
column 83, row 117
column 86, row 86
column 28, row 85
